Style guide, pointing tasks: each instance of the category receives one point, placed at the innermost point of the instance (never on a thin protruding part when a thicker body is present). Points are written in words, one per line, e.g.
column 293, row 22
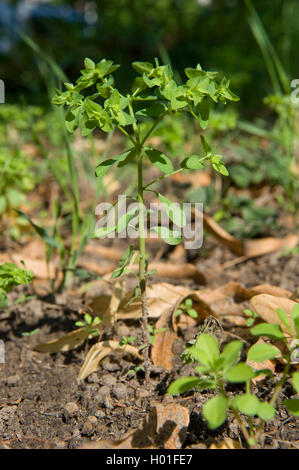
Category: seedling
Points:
column 127, row 340
column 30, row 333
column 89, row 324
column 94, row 102
column 216, row 369
column 11, row 276
column 186, row 307
column 251, row 317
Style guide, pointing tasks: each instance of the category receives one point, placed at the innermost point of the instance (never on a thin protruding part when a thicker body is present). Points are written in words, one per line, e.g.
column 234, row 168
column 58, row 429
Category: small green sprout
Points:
column 30, row 333
column 89, row 324
column 251, row 317
column 215, row 369
column 186, row 307
column 127, row 340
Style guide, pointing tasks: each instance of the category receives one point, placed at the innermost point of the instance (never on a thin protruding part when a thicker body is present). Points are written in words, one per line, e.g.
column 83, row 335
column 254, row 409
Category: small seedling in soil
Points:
column 30, row 333
column 127, row 340
column 186, row 307
column 89, row 324
column 217, row 369
column 94, row 102
column 251, row 317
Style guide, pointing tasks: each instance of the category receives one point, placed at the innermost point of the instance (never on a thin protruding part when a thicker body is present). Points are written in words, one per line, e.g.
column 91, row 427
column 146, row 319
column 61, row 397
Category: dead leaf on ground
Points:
column 246, row 249
column 162, row 349
column 100, row 350
column 160, row 298
column 228, row 300
column 266, row 305
column 165, row 427
column 227, row 443
column 70, row 341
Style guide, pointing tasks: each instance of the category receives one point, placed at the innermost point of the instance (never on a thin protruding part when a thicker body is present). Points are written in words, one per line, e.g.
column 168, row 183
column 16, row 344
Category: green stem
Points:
column 274, row 397
column 149, row 132
column 142, row 273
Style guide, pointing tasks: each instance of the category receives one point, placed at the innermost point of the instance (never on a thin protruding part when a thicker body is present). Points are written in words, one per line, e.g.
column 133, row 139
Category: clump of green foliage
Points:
column 94, row 102
column 16, row 179
column 218, row 369
column 11, row 276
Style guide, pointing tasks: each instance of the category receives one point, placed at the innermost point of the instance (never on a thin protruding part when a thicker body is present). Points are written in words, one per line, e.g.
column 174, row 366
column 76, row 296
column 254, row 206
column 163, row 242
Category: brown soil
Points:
column 43, row 406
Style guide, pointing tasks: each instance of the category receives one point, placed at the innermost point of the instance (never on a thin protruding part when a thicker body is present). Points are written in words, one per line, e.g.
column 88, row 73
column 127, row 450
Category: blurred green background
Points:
column 216, row 33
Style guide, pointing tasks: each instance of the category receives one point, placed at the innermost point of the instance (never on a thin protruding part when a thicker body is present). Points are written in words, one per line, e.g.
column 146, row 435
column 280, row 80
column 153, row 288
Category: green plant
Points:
column 186, row 307
column 94, row 102
column 89, row 324
column 127, row 340
column 11, row 276
column 217, row 369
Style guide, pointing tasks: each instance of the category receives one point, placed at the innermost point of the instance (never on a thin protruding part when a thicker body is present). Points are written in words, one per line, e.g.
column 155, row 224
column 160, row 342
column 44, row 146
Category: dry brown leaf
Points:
column 160, row 297
column 161, row 351
column 267, row 364
column 72, row 340
column 227, row 443
column 165, row 427
column 266, row 305
column 246, row 249
column 100, row 350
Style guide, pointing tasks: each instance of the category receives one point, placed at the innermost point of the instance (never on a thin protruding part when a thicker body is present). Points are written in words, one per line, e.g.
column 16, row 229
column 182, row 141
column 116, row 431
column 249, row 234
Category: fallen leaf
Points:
column 70, row 341
column 266, row 305
column 100, row 350
column 160, row 298
column 246, row 249
column 165, row 427
column 227, row 443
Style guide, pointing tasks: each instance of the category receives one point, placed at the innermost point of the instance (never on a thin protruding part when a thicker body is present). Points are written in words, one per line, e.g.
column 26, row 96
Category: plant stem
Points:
column 142, row 273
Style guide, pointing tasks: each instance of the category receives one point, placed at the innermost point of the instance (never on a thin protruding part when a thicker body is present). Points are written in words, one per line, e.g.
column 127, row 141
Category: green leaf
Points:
column 215, row 411
column 292, row 405
column 122, row 159
column 261, row 352
column 295, row 318
column 209, row 345
column 239, row 373
column 155, row 110
column 183, row 384
column 284, row 320
column 230, row 354
column 266, row 411
column 295, row 379
column 89, row 64
column 247, row 404
column 205, row 145
column 42, row 232
column 142, row 67
column 103, row 168
column 170, row 237
column 192, row 313
column 173, row 210
column 271, row 330
column 160, row 160
column 123, row 262
column 192, row 163
column 203, row 110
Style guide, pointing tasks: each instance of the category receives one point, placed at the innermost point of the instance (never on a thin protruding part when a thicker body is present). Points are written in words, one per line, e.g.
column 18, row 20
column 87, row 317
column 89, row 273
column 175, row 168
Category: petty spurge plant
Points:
column 218, row 369
column 94, row 102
